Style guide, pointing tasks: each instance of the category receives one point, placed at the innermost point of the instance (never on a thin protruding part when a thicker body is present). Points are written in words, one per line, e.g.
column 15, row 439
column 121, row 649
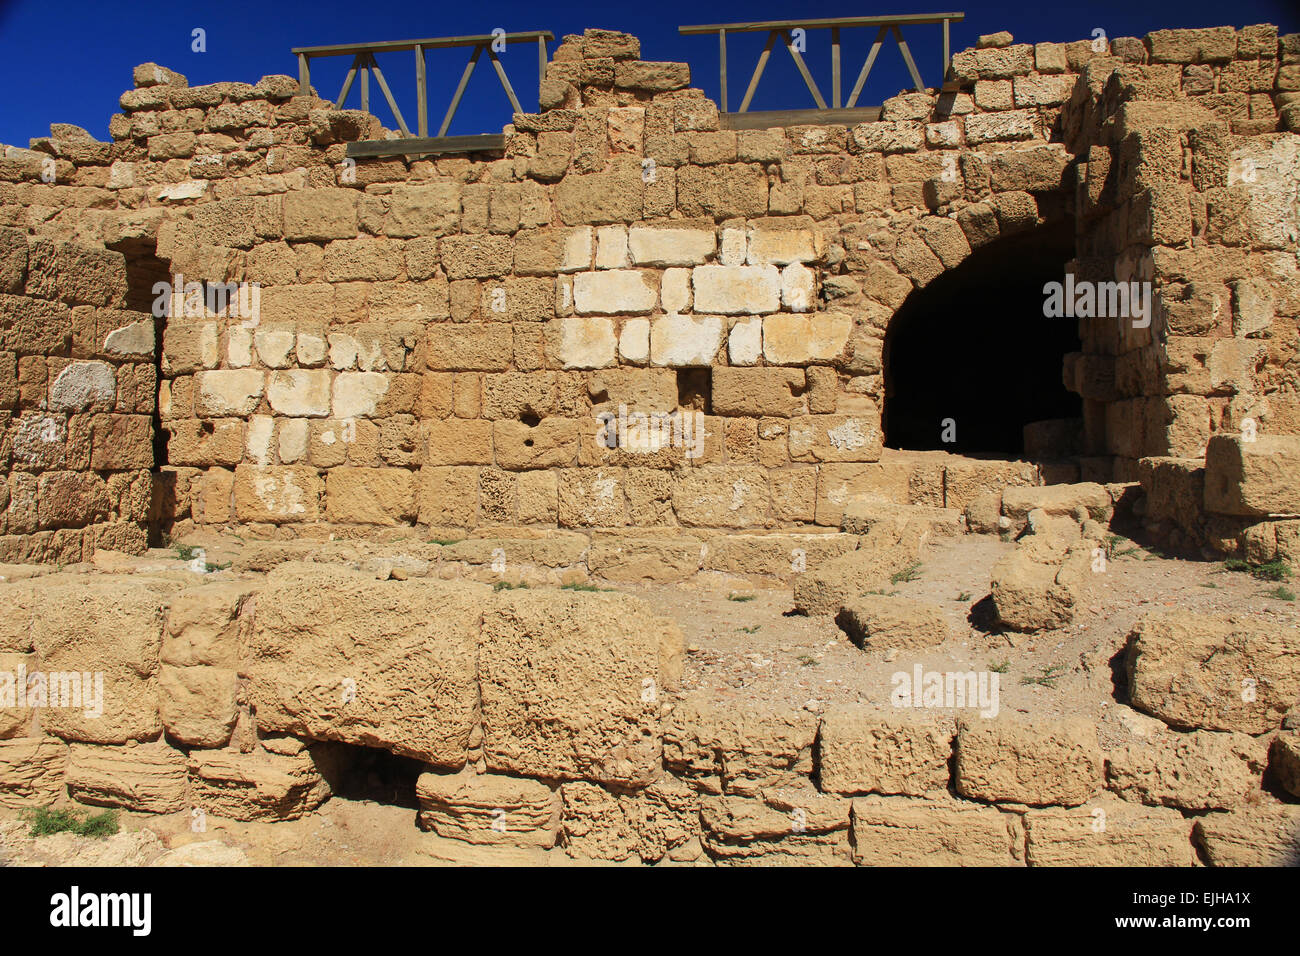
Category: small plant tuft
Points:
column 47, row 820
column 1047, row 676
column 909, row 573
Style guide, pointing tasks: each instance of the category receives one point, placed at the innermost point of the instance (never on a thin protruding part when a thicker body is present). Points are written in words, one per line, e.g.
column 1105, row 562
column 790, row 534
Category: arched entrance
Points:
column 970, row 359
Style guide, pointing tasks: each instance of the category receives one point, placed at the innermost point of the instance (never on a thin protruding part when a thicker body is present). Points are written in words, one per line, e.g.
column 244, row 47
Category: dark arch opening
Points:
column 973, row 346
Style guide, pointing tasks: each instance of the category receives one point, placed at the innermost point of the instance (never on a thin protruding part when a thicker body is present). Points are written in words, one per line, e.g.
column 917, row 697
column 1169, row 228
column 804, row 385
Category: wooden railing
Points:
column 364, row 64
column 782, row 30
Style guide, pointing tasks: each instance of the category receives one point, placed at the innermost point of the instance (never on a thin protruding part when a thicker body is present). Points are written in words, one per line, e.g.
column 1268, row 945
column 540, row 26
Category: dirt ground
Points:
column 747, row 645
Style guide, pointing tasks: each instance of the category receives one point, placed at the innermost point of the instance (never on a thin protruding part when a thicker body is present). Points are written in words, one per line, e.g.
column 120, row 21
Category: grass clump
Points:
column 583, row 587
column 507, row 586
column 47, row 820
column 909, row 573
column 1275, row 570
column 1046, row 677
column 1281, row 593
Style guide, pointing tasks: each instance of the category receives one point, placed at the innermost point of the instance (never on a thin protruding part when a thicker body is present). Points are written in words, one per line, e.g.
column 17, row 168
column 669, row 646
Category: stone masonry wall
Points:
column 550, row 718
column 78, row 386
column 438, row 337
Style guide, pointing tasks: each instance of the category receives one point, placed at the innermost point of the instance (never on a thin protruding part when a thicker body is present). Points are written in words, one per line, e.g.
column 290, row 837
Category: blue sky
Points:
column 70, row 61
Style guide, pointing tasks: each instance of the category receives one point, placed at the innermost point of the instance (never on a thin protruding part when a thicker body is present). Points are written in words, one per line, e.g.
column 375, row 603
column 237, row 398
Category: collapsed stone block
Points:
column 569, row 686
column 1213, row 672
column 393, row 666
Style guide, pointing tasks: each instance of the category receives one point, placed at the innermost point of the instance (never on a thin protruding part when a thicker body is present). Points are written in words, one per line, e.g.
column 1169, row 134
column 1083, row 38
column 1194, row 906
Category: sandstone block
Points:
column 1019, row 762
column 1216, row 672
column 569, row 686
column 861, row 750
column 147, row 779
column 393, row 666
column 876, row 621
column 489, row 809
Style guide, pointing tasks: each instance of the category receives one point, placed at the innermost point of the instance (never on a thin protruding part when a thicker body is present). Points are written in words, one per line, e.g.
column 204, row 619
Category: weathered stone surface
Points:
column 1257, row 477
column 1006, row 760
column 879, row 622
column 99, row 643
column 570, row 683
column 1108, row 833
column 1284, row 762
column 392, row 666
column 1029, row 594
column 722, row 748
column 1265, row 835
column 827, row 589
column 901, row 831
column 1214, row 672
column 1196, row 771
column 149, row 779
column 783, row 826
column 861, row 750
column 489, row 809
column 32, row 771
column 277, row 494
column 255, row 786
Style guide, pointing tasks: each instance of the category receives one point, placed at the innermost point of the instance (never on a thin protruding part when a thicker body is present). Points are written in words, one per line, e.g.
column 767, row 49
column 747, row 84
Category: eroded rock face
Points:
column 489, row 809
column 1013, row 761
column 570, row 686
column 1108, row 833
column 392, row 665
column 255, row 786
column 1213, row 672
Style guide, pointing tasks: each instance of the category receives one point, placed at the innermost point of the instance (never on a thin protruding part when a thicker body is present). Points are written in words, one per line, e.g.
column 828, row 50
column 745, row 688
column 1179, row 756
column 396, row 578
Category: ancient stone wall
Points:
column 443, row 341
column 547, row 718
column 78, row 387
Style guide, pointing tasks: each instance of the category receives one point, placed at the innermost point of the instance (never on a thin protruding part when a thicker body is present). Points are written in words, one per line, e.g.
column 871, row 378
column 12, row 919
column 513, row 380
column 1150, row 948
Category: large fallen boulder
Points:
column 1214, row 672
column 392, row 665
column 571, row 683
column 1028, row 595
